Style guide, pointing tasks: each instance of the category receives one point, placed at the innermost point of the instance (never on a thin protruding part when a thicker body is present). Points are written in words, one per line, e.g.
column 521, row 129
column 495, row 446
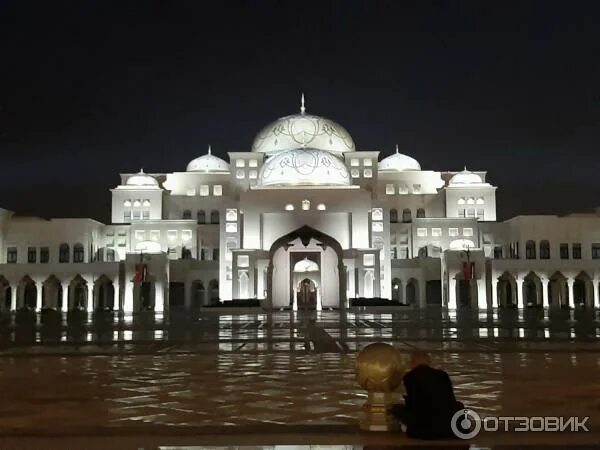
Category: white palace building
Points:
column 302, row 220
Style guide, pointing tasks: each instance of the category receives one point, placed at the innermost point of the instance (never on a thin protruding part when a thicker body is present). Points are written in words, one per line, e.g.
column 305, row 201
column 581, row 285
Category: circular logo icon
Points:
column 465, row 423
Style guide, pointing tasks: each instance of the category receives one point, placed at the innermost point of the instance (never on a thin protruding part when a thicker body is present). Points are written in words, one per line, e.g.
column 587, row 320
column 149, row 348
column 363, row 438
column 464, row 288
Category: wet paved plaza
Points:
column 254, row 371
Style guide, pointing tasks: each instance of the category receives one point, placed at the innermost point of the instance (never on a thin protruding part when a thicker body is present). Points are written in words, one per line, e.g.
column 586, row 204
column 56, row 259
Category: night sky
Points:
column 89, row 89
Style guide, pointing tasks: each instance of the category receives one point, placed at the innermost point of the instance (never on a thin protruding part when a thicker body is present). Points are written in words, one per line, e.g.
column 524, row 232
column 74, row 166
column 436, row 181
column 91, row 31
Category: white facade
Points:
column 303, row 220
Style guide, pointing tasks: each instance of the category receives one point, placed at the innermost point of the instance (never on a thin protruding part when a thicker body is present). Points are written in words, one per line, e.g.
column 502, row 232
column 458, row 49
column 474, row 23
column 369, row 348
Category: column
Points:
column 38, row 299
column 90, row 296
column 319, row 306
column 117, row 290
column 494, row 291
column 65, row 297
column 571, row 285
column 595, row 294
column 519, row 292
column 422, row 297
column 159, row 296
column 481, row 294
column 452, row 293
column 13, row 296
column 128, row 300
column 545, row 301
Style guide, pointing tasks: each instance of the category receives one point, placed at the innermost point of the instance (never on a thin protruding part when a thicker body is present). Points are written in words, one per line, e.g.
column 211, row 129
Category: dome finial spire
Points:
column 397, row 149
column 142, row 170
column 302, row 107
column 209, row 150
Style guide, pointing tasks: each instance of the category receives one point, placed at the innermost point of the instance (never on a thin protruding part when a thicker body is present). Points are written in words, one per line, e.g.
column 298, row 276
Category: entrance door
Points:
column 307, row 295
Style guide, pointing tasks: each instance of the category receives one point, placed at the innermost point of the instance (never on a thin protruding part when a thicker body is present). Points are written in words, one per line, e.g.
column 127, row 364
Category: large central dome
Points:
column 304, row 167
column 303, row 130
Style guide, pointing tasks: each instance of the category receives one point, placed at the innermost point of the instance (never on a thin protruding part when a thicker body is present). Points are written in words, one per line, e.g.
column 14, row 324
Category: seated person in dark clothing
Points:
column 429, row 401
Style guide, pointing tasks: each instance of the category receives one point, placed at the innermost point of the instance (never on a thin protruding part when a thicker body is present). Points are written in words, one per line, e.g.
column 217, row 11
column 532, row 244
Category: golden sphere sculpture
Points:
column 379, row 370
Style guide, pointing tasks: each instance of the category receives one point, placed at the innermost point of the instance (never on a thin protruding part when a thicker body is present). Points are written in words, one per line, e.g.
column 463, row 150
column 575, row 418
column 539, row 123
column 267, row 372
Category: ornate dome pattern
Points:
column 465, row 177
column 141, row 179
column 302, row 167
column 398, row 162
column 208, row 163
column 303, row 130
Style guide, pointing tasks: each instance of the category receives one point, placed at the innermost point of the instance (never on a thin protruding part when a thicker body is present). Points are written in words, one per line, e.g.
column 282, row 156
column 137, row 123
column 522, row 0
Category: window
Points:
column 402, row 252
column 416, row 188
column 240, row 174
column 480, row 201
column 305, row 205
column 461, row 201
column 369, row 260
column 63, row 253
column 461, row 212
column 530, row 250
column 393, row 215
column 186, row 235
column 497, row 252
column 406, row 215
column 146, row 203
column 78, row 253
column 122, row 239
column 44, row 254
column 110, row 255
column 200, row 216
column 215, row 254
column 377, row 227
column 354, row 162
column 127, row 203
column 480, row 213
column 214, row 216
column 403, row 189
column 155, row 235
column 367, row 162
column 368, row 173
column 577, row 251
column 377, row 213
column 389, row 189
column 452, row 232
column 253, row 174
column 243, row 261
column 217, row 190
column 136, row 215
column 289, row 207
column 544, row 249
column 187, row 215
column 420, row 213
column 240, row 163
column 231, row 215
column 595, row 251
column 470, row 213
column 231, row 227
column 31, row 254
column 140, row 235
column 172, row 235
column 186, row 253
column 190, row 191
column 436, row 232
column 564, row 251
column 467, row 231
column 421, row 232
column 11, row 255
column 321, row 207
column 137, row 203
column 145, row 215
column 127, row 216
column 354, row 173
column 253, row 163
column 204, row 190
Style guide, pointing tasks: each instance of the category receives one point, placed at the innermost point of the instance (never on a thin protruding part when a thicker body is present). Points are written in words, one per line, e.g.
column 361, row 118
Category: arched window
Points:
column 215, row 254
column 214, row 216
column 201, row 216
column 64, row 253
column 530, row 250
column 420, row 213
column 78, row 253
column 187, row 214
column 393, row 215
column 406, row 215
column 202, row 254
column 110, row 255
column 544, row 249
column 213, row 291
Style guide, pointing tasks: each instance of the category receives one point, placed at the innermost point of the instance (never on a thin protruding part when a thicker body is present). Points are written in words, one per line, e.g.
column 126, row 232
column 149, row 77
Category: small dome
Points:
column 465, row 177
column 141, row 179
column 303, row 130
column 208, row 163
column 304, row 167
column 399, row 163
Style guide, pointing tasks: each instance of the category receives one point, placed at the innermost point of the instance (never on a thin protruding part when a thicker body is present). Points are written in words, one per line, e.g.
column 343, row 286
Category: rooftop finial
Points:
column 397, row 149
column 142, row 171
column 302, row 107
column 209, row 150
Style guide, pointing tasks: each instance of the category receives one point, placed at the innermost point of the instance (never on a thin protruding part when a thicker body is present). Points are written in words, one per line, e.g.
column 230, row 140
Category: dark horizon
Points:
column 92, row 90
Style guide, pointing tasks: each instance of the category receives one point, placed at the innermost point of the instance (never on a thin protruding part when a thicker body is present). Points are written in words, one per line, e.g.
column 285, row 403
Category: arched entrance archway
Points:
column 104, row 294
column 412, row 292
column 28, row 293
column 307, row 294
column 532, row 290
column 397, row 290
column 52, row 293
column 280, row 289
column 507, row 291
column 558, row 291
column 78, row 294
column 5, row 294
column 583, row 294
